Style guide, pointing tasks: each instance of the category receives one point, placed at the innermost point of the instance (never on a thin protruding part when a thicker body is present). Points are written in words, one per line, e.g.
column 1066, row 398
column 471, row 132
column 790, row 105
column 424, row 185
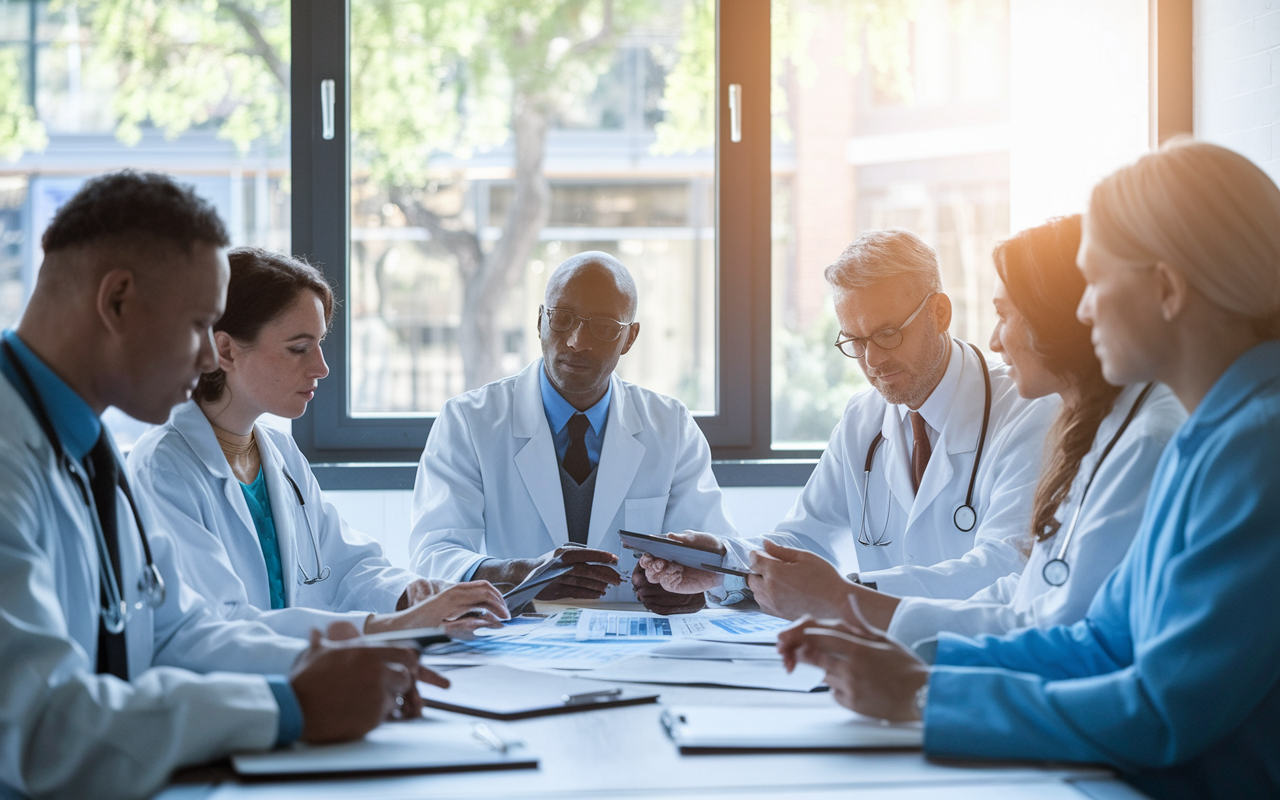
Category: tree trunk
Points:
column 480, row 338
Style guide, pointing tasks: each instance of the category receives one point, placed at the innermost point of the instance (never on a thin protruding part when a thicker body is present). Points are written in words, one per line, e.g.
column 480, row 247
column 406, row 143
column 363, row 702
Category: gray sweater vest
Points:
column 577, row 504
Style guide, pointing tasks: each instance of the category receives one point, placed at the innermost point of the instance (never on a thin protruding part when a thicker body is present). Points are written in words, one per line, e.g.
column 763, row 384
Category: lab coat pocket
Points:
column 645, row 514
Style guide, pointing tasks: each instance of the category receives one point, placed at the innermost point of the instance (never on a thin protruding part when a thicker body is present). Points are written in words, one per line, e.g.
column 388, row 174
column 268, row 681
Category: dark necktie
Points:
column 576, row 462
column 920, row 449
column 104, row 476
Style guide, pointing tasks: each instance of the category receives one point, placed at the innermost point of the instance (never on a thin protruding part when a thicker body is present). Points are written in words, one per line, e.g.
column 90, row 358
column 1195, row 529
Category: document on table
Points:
column 416, row 746
column 718, row 728
column 688, row 672
column 716, row 651
column 531, row 654
column 711, row 624
column 500, row 692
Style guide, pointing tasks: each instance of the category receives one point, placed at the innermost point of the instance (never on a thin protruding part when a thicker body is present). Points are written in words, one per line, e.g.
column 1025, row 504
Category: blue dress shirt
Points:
column 559, row 411
column 78, row 429
column 1173, row 676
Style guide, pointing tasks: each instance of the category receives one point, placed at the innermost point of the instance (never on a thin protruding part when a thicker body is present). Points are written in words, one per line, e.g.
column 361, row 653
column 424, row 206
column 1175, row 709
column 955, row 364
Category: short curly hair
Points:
column 131, row 203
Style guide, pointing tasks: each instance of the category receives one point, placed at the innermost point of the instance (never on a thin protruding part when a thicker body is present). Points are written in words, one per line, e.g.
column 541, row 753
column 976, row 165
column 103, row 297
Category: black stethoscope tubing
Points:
column 322, row 572
column 965, row 516
column 1056, row 570
column 154, row 588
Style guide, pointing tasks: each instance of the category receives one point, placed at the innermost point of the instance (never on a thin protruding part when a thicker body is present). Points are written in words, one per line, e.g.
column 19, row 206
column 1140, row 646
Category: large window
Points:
column 508, row 137
column 98, row 85
column 438, row 158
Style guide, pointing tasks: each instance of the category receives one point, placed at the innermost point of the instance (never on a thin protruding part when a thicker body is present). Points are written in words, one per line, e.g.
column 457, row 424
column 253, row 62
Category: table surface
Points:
column 626, row 753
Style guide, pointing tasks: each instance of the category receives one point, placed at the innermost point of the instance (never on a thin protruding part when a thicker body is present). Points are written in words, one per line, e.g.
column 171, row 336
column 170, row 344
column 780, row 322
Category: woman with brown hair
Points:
column 255, row 536
column 1101, row 453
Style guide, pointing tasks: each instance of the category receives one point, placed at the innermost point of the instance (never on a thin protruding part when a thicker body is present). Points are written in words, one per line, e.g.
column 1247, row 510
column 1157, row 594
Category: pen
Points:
column 485, row 734
column 419, row 636
column 590, row 697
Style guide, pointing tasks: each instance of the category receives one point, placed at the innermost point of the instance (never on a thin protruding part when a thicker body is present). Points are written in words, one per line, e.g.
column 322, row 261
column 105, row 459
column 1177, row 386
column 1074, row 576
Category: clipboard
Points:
column 678, row 553
column 504, row 693
column 417, row 746
column 700, row 730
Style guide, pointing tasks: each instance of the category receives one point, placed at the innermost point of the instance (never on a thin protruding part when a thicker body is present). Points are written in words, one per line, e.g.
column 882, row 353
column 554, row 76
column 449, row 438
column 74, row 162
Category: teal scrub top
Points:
column 255, row 495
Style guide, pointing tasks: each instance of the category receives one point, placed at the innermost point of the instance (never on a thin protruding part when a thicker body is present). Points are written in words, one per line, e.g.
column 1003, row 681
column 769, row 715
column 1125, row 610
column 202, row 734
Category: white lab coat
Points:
column 488, row 482
column 66, row 731
column 181, row 471
column 1108, row 522
column 926, row 555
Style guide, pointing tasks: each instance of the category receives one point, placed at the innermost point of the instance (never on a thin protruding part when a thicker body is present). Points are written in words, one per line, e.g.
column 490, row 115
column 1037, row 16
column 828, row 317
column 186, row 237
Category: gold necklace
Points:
column 231, row 448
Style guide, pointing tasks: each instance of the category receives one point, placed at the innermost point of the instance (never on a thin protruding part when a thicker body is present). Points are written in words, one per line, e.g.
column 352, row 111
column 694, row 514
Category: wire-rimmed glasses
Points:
column 887, row 339
column 562, row 320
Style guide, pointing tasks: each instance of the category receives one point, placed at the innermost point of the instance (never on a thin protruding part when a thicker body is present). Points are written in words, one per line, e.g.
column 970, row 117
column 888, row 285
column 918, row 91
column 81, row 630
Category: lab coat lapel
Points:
column 285, row 513
column 536, row 458
column 620, row 457
column 893, row 459
column 959, row 435
column 190, row 421
column 194, row 427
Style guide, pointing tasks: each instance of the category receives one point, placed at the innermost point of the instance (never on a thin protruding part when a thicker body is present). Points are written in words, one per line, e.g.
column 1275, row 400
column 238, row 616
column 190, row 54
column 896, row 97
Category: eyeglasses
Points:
column 603, row 328
column 887, row 339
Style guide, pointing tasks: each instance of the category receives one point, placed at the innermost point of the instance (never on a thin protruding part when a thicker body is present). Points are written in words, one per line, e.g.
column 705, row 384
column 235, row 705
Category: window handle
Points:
column 327, row 92
column 735, row 112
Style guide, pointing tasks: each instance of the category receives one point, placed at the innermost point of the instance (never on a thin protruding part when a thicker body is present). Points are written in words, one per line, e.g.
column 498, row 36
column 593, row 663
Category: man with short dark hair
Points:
column 100, row 641
column 549, row 464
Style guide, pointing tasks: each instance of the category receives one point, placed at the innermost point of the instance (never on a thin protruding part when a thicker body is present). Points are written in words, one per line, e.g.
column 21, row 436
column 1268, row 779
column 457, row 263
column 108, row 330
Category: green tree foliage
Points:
column 19, row 129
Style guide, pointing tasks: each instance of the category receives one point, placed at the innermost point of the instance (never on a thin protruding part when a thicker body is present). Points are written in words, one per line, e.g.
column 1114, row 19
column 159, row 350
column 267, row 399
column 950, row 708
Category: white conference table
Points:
column 626, row 753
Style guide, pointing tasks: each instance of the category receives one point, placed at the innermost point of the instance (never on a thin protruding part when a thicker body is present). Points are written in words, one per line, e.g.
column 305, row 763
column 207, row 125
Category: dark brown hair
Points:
column 1038, row 268
column 263, row 284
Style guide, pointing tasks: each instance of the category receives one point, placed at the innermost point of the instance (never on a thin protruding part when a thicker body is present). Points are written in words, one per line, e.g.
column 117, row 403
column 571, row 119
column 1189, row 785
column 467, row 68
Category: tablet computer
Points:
column 678, row 553
column 530, row 587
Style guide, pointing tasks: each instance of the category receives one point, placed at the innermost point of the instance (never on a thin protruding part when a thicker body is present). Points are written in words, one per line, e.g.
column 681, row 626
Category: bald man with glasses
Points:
column 549, row 464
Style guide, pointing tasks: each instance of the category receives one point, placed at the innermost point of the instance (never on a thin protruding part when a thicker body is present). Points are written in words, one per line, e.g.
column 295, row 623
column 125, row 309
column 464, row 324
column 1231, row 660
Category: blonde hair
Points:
column 1207, row 212
column 878, row 256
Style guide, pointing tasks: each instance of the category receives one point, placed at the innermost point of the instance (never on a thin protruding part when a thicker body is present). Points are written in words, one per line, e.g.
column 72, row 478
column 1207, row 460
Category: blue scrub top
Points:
column 255, row 495
column 1173, row 676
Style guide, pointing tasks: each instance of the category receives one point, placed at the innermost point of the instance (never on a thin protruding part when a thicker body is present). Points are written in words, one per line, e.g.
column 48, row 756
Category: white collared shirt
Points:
column 937, row 405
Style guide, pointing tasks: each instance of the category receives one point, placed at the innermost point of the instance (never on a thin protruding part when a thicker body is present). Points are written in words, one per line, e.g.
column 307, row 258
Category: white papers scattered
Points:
column 716, row 651
column 744, row 674
column 711, row 624
column 527, row 654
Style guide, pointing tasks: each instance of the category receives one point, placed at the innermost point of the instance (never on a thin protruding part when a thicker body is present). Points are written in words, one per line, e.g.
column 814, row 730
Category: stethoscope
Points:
column 115, row 612
column 322, row 572
column 965, row 517
column 1056, row 570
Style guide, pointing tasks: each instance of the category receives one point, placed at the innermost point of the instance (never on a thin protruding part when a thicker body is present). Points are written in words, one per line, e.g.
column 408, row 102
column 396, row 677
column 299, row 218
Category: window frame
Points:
column 740, row 430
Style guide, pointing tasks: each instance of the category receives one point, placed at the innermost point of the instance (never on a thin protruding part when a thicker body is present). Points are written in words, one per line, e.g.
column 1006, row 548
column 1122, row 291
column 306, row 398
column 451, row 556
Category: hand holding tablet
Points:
column 678, row 552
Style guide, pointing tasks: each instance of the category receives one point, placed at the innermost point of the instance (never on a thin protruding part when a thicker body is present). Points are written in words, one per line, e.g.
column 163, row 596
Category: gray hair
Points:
column 887, row 255
column 1207, row 212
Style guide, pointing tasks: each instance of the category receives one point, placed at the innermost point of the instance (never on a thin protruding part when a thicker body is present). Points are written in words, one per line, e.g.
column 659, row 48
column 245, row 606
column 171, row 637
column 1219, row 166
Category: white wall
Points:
column 385, row 514
column 1236, row 73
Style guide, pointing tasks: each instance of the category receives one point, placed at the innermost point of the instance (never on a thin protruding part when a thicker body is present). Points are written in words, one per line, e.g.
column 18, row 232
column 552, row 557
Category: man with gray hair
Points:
column 543, row 468
column 930, row 473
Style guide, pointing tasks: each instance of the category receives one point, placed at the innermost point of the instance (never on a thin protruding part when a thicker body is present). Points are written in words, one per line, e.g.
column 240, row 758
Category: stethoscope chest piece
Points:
column 965, row 518
column 1056, row 572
